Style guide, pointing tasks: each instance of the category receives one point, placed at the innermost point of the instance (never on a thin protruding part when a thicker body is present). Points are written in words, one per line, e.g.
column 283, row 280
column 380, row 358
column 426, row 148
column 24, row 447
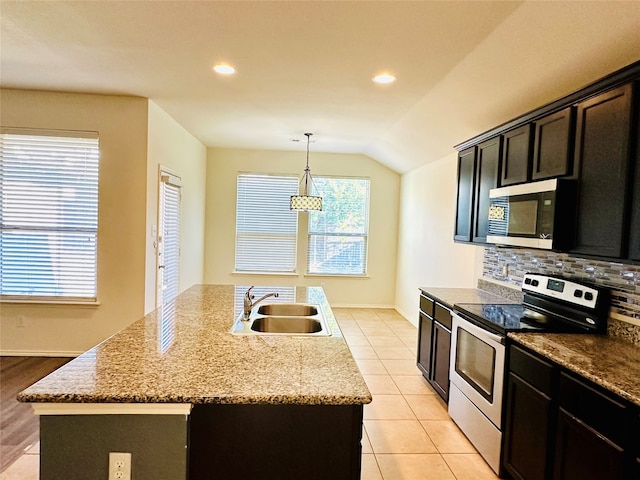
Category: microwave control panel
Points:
column 545, row 220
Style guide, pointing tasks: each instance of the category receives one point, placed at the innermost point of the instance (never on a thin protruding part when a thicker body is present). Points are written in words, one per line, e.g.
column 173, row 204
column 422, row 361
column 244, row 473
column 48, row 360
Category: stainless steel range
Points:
column 551, row 304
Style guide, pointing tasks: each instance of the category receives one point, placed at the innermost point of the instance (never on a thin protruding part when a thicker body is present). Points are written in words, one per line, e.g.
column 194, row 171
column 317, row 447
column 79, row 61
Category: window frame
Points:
column 295, row 180
column 365, row 236
column 57, row 229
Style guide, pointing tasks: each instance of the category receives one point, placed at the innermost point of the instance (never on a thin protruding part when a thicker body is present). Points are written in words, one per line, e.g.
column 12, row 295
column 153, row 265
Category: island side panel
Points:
column 269, row 442
column 76, row 447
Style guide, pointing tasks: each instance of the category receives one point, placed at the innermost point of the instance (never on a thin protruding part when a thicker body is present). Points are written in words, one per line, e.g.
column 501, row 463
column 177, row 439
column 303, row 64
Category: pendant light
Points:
column 303, row 201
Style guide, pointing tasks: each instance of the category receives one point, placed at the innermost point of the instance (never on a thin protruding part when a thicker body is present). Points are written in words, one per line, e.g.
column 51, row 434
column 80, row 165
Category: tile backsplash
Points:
column 510, row 264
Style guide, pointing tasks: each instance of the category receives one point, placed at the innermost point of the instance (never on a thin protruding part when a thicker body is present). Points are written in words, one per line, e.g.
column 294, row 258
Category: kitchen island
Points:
column 245, row 406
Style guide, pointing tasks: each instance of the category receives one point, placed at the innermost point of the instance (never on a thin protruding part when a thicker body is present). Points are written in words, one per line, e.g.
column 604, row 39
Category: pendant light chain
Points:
column 307, row 170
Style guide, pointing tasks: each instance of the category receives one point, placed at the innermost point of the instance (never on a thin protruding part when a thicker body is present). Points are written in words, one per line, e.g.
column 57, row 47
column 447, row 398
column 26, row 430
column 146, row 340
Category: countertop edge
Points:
column 552, row 351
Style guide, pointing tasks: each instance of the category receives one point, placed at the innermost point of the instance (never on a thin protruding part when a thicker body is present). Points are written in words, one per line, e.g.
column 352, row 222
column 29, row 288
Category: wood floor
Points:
column 19, row 427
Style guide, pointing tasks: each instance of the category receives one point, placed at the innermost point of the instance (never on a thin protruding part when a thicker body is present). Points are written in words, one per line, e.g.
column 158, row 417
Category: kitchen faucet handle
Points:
column 248, row 294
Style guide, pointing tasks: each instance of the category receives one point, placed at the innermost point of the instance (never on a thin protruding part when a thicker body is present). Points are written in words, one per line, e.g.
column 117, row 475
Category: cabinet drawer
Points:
column 604, row 414
column 443, row 315
column 532, row 369
column 426, row 305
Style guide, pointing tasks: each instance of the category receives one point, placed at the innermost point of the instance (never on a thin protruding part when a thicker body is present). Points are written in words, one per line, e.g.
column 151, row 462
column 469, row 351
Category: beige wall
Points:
column 427, row 254
column 223, row 166
column 122, row 126
column 171, row 146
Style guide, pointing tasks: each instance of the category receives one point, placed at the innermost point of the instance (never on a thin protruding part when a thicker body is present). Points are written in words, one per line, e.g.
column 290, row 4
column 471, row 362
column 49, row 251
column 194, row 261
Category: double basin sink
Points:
column 283, row 319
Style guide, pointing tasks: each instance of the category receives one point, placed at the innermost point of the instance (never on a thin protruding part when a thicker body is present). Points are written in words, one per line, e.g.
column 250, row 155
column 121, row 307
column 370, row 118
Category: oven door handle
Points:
column 479, row 331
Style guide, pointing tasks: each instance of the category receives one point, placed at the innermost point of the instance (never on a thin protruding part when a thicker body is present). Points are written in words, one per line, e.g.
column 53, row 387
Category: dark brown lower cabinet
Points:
column 527, row 430
column 583, row 453
column 425, row 342
column 441, row 355
column 275, row 442
column 434, row 344
column 560, row 426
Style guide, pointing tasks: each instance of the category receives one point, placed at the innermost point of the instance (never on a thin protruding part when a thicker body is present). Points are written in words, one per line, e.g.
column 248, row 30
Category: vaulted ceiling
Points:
column 462, row 67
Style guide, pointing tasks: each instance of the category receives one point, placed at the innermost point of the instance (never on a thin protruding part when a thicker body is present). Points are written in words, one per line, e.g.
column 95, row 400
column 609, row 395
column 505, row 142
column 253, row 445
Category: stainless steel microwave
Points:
column 535, row 215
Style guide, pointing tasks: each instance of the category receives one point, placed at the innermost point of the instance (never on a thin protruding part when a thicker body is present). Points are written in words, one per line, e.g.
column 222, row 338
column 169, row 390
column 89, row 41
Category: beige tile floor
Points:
column 408, row 434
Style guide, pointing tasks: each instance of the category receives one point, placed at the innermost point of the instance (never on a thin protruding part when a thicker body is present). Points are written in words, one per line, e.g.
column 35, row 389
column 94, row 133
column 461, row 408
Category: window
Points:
column 266, row 229
column 338, row 234
column 48, row 215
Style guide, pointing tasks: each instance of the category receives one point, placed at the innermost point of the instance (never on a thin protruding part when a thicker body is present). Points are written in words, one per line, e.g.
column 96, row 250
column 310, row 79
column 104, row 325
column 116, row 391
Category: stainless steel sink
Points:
column 288, row 309
column 286, row 325
column 283, row 319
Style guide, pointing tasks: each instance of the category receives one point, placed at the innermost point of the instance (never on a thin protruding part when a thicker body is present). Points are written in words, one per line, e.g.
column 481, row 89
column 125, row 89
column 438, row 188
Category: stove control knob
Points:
column 577, row 293
column 588, row 296
column 535, row 283
column 527, row 281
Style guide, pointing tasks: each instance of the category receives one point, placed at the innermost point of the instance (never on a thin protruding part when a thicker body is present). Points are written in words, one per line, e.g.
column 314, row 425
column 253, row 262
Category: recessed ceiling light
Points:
column 384, row 78
column 224, row 69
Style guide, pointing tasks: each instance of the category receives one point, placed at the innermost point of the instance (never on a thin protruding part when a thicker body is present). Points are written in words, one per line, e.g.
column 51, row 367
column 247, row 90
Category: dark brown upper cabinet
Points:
column 552, row 147
column 603, row 145
column 592, row 136
column 634, row 230
column 516, row 155
column 466, row 181
column 487, row 171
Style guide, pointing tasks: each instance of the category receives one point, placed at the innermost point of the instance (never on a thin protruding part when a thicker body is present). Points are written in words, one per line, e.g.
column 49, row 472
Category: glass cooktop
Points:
column 506, row 317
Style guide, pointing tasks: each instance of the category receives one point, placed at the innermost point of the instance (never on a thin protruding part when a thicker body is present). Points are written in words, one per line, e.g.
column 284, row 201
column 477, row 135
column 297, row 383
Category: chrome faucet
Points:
column 249, row 303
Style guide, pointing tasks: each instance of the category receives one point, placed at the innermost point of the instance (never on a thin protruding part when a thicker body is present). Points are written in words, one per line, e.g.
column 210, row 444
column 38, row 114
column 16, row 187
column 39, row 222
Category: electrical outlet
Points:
column 119, row 466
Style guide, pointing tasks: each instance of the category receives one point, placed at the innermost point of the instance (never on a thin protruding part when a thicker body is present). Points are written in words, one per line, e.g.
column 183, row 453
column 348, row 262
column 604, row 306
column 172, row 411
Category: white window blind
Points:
column 170, row 196
column 48, row 215
column 338, row 234
column 266, row 229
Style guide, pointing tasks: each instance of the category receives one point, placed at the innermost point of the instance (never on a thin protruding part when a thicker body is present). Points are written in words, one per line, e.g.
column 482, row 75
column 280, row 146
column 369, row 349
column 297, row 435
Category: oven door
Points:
column 477, row 366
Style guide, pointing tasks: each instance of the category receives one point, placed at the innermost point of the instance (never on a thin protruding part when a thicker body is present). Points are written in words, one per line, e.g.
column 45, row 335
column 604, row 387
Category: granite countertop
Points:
column 451, row 296
column 608, row 361
column 184, row 353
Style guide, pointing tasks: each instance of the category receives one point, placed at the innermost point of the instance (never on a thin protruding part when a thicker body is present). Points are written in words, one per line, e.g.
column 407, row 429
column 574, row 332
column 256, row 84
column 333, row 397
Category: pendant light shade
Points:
column 303, row 201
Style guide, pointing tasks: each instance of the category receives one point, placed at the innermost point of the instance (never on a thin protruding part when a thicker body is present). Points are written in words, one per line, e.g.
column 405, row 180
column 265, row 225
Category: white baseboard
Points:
column 408, row 318
column 37, row 353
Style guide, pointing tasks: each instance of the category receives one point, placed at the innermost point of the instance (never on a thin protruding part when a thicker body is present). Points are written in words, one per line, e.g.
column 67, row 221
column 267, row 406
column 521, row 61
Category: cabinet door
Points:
column 466, row 179
column 634, row 231
column 425, row 335
column 602, row 159
column 582, row 453
column 440, row 367
column 487, row 170
column 516, row 156
column 526, row 430
column 552, row 147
